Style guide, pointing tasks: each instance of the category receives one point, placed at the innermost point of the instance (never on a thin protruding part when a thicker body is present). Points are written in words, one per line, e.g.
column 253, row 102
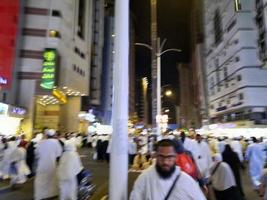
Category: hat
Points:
column 50, row 132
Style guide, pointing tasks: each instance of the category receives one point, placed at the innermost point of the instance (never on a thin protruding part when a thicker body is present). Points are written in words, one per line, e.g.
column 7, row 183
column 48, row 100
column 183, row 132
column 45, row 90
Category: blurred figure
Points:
column 23, row 142
column 18, row 164
column 223, row 181
column 69, row 167
column 3, row 147
column 221, row 144
column 232, row 159
column 139, row 161
column 204, row 160
column 255, row 157
column 237, row 147
column 10, row 147
column 263, row 186
column 189, row 145
column 47, row 152
column 132, row 150
column 165, row 180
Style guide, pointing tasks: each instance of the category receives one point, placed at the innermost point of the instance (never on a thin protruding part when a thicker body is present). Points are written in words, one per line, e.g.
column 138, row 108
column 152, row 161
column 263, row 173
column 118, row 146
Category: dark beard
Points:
column 165, row 174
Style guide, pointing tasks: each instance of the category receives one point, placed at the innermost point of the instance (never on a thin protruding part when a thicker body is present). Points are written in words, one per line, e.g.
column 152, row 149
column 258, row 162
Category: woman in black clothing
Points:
column 231, row 158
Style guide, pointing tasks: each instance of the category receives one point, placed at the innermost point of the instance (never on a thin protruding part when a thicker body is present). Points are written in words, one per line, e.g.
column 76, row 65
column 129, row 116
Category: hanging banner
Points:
column 9, row 15
column 49, row 69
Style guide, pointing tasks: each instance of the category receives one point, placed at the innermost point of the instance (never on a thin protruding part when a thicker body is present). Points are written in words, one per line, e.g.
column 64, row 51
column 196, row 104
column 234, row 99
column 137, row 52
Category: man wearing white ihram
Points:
column 47, row 152
column 164, row 180
column 69, row 166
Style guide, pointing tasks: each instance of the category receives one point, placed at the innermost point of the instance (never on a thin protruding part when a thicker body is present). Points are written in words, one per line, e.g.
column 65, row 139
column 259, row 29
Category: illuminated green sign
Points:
column 49, row 69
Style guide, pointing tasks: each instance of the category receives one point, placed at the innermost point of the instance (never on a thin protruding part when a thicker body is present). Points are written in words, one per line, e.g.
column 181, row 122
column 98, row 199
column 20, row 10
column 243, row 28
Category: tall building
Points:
column 187, row 110
column 11, row 114
column 235, row 48
column 107, row 71
column 101, row 90
column 97, row 52
column 197, row 63
column 54, row 62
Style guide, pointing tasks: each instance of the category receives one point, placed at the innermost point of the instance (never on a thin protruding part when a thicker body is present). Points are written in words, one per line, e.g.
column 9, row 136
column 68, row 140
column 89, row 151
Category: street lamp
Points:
column 168, row 93
column 159, row 53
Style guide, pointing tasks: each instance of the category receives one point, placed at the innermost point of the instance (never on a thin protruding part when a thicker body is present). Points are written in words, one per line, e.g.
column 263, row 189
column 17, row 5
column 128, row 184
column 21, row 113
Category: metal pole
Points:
column 153, row 4
column 158, row 85
column 118, row 182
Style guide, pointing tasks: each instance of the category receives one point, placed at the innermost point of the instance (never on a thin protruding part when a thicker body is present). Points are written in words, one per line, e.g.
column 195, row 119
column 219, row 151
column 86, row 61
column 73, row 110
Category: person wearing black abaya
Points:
column 231, row 158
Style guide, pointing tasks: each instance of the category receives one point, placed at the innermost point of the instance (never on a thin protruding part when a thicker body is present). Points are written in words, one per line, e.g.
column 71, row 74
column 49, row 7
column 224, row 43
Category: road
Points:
column 100, row 171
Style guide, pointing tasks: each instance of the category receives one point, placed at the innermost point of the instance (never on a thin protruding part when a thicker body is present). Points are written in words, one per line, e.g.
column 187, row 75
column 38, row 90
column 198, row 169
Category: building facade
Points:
column 54, row 62
column 235, row 60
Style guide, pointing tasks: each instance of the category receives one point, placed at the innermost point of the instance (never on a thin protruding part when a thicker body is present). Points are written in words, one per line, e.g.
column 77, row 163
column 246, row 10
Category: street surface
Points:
column 100, row 172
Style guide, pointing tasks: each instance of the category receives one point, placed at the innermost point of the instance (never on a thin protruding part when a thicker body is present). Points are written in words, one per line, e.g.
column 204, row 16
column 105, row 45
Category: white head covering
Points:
column 223, row 177
column 50, row 132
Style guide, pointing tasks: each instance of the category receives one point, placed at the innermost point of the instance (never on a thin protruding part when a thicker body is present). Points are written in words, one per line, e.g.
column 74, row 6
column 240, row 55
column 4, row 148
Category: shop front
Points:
column 10, row 119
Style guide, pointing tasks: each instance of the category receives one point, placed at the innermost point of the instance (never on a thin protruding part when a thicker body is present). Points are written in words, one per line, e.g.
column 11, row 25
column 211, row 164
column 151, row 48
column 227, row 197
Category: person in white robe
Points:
column 190, row 145
column 11, row 146
column 2, row 150
column 255, row 157
column 223, row 181
column 155, row 182
column 18, row 160
column 69, row 166
column 221, row 145
column 47, row 152
column 237, row 147
column 204, row 159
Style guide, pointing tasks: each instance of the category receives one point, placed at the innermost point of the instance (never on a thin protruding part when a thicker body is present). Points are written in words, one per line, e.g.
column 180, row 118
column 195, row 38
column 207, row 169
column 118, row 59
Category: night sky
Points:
column 173, row 24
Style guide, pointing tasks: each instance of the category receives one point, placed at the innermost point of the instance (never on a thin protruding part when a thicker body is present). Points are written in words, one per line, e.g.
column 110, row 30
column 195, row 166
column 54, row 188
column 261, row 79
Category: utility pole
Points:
column 118, row 182
column 154, row 35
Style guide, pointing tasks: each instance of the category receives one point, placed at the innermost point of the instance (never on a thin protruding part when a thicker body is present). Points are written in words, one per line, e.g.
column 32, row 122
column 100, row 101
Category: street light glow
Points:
column 168, row 93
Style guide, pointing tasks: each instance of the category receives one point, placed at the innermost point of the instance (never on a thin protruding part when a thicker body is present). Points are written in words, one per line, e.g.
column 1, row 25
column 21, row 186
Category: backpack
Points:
column 187, row 164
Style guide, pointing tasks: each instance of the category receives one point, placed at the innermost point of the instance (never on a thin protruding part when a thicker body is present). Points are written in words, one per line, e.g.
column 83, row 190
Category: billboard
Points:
column 9, row 15
column 49, row 69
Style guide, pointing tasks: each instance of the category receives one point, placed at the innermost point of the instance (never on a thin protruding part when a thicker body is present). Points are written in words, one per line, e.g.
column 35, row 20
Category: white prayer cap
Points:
column 50, row 132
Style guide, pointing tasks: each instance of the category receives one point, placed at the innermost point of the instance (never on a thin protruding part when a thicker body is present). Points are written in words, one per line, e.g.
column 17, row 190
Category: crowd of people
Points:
column 49, row 157
column 182, row 166
column 213, row 163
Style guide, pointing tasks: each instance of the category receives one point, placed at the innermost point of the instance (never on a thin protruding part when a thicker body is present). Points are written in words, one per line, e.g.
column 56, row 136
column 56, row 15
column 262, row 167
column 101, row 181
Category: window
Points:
column 81, row 19
column 225, row 73
column 241, row 96
column 237, row 5
column 56, row 13
column 237, row 59
column 217, row 27
column 230, row 27
column 34, row 32
column 239, row 77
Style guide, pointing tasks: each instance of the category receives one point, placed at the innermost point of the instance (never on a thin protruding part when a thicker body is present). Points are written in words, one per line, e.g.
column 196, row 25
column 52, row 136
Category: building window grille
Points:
column 56, row 13
column 239, row 78
column 217, row 27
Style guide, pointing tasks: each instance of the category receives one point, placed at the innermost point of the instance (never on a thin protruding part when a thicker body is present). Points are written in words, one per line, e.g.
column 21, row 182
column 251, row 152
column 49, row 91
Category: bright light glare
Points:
column 168, row 93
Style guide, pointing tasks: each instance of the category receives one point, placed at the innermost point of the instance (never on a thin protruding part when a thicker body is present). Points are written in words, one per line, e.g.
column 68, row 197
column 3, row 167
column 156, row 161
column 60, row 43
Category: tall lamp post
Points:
column 159, row 53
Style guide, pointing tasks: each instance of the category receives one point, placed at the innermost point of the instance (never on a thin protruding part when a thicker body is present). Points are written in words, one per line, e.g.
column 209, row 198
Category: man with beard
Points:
column 165, row 180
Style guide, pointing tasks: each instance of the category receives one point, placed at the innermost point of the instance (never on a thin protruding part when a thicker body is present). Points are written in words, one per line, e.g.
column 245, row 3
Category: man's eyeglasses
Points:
column 162, row 157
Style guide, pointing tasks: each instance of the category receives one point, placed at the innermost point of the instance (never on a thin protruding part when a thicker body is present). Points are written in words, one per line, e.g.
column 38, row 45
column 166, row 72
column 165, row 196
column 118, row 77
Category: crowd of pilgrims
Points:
column 213, row 162
column 53, row 160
